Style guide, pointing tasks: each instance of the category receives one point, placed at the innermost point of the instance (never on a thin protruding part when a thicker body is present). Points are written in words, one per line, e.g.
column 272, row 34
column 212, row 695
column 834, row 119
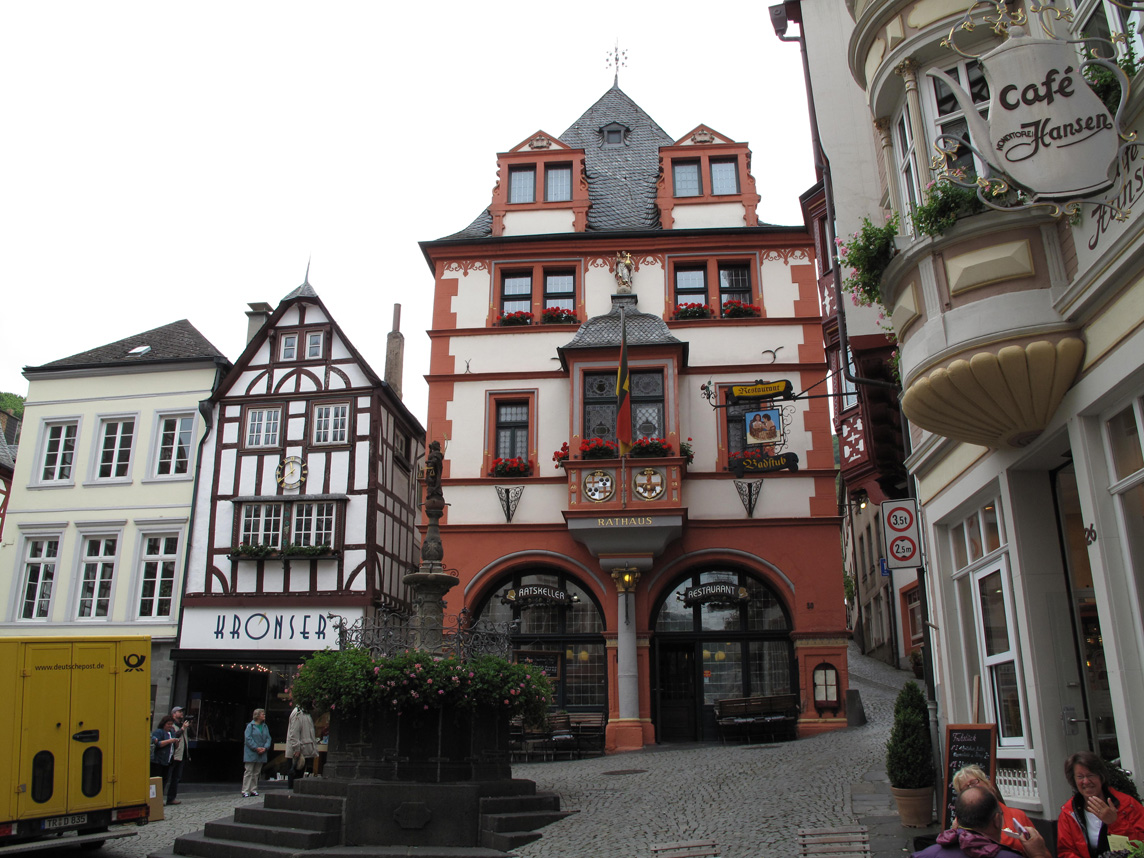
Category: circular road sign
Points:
column 902, row 548
column 900, row 519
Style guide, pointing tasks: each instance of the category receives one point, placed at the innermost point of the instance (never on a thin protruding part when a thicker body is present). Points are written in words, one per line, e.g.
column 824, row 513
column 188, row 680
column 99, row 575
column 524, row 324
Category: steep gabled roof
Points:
column 178, row 342
column 621, row 179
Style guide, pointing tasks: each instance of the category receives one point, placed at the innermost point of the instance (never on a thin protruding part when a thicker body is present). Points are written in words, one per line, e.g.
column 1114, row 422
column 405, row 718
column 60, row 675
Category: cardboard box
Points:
column 155, row 799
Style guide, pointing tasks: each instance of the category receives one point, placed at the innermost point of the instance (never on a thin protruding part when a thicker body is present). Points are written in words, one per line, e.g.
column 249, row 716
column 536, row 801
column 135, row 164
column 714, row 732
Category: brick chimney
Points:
column 394, row 353
column 257, row 316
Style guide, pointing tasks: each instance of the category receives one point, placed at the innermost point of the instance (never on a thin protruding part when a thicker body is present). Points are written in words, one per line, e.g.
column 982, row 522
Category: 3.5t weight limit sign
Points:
column 900, row 534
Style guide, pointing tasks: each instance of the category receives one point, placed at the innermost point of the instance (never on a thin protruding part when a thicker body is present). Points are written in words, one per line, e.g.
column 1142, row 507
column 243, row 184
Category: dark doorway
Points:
column 677, row 694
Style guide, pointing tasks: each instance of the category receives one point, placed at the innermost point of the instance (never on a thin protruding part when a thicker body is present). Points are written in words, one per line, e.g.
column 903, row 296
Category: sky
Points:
column 164, row 160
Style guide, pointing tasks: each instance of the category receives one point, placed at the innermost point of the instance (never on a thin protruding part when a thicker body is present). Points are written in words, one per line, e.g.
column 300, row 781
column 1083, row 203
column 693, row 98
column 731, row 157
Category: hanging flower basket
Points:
column 597, row 448
column 734, row 309
column 648, row 448
column 561, row 455
column 692, row 311
column 558, row 316
column 509, row 320
column 514, row 467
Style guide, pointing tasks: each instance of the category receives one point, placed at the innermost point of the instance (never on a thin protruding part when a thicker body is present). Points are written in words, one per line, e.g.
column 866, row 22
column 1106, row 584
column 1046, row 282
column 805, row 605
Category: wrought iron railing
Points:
column 390, row 633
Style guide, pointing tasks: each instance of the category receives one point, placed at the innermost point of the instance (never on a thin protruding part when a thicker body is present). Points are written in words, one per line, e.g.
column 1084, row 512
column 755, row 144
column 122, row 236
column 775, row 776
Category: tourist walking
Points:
column 301, row 742
column 256, row 742
column 179, row 756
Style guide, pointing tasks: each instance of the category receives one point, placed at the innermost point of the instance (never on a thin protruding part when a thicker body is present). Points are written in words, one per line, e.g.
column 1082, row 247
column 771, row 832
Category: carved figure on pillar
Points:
column 625, row 267
column 431, row 548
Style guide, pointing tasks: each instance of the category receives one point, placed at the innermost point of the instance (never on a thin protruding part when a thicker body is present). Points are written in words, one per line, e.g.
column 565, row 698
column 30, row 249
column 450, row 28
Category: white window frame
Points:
column 1116, row 18
column 288, row 347
column 314, row 523
column 315, row 345
column 260, row 442
column 331, row 423
column 40, row 477
column 990, row 663
column 45, row 539
column 959, row 71
column 255, row 522
column 184, row 423
column 158, row 561
column 904, row 140
column 105, row 573
column 106, row 422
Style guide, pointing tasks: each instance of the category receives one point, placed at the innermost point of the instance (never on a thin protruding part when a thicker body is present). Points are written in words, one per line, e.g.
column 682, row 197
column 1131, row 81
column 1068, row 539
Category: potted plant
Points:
column 514, row 467
column 558, row 316
column 520, row 317
column 597, row 448
column 945, row 202
column 735, row 309
column 915, row 657
column 646, row 448
column 867, row 254
column 909, row 758
column 691, row 311
column 561, row 456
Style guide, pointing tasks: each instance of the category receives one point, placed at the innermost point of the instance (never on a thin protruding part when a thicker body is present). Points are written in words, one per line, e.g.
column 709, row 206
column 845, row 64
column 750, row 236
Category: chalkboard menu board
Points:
column 966, row 745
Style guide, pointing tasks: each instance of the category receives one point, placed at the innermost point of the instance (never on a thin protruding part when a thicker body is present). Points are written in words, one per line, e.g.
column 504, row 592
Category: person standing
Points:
column 256, row 742
column 301, row 742
column 179, row 756
column 162, row 748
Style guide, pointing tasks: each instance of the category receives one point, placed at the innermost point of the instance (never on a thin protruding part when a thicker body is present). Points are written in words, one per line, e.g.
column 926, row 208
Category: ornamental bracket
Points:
column 749, row 491
column 509, row 497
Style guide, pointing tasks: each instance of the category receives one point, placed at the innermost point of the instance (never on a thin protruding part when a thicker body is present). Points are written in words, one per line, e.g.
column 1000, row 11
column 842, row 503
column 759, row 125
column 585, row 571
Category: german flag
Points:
column 623, row 392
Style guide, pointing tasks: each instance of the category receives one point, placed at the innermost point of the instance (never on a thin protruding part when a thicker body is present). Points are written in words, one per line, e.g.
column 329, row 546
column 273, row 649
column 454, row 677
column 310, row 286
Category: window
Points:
column 734, row 283
column 522, row 184
column 262, row 524
column 560, row 290
column 724, row 177
column 975, row 536
column 685, row 178
column 906, row 154
column 313, row 524
column 98, row 574
column 690, row 285
column 913, row 600
column 846, row 389
column 314, row 345
column 516, row 293
column 59, row 452
column 647, row 405
column 558, row 183
column 262, row 427
column 951, row 118
column 999, row 656
column 115, row 448
column 512, row 430
column 157, row 588
column 174, row 454
column 331, row 423
column 289, row 347
column 612, row 134
column 1103, row 18
column 39, row 573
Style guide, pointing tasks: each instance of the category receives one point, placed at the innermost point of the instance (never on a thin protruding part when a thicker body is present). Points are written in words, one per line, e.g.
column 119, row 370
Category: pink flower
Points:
column 376, row 671
column 440, row 690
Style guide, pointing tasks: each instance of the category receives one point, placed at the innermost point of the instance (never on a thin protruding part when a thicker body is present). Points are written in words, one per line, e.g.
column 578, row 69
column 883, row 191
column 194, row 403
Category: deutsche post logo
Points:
column 134, row 661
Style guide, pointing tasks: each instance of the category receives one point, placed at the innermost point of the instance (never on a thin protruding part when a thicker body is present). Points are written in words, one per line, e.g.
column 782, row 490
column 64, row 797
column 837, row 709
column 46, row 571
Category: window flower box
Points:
column 558, row 316
column 247, row 551
column 562, row 455
column 692, row 311
column 510, row 320
column 647, row 448
column 597, row 448
column 735, row 309
column 514, row 467
column 308, row 551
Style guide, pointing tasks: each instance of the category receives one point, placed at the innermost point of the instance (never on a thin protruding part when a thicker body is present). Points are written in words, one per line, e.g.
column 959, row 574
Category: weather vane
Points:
column 617, row 59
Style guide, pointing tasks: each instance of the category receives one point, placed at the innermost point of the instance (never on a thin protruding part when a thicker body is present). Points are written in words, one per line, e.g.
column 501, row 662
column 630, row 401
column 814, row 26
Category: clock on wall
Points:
column 599, row 486
column 291, row 472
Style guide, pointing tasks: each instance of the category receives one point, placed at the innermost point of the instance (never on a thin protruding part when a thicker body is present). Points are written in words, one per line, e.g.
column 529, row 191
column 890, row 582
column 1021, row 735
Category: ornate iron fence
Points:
column 389, row 633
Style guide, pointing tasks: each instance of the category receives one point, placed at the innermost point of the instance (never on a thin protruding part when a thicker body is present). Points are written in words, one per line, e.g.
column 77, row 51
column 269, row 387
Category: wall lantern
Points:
column 626, row 578
column 826, row 689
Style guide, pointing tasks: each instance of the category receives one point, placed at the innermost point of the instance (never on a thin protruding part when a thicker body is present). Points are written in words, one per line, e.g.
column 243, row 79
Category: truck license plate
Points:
column 65, row 821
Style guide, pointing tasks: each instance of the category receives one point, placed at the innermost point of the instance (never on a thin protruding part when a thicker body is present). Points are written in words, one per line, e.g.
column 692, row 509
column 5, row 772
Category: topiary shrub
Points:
column 909, row 758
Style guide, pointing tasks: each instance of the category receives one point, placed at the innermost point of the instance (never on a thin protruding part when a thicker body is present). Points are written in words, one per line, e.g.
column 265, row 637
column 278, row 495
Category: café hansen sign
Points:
column 1047, row 130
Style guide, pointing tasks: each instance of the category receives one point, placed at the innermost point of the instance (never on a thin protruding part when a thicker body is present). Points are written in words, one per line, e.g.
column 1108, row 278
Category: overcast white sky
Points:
column 169, row 160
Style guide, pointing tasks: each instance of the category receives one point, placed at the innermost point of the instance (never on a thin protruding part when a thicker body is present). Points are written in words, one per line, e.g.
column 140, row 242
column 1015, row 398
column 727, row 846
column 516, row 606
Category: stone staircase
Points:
column 312, row 823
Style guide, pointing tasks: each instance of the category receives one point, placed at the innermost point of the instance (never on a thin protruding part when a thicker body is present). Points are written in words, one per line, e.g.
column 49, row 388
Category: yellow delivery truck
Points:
column 74, row 738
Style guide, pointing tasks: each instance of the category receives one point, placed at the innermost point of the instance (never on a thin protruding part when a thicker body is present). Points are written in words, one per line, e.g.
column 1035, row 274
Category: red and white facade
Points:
column 649, row 587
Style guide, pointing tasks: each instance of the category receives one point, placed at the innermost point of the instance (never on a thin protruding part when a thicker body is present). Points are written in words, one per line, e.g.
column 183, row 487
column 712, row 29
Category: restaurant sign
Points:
column 762, row 390
column 533, row 594
column 721, row 592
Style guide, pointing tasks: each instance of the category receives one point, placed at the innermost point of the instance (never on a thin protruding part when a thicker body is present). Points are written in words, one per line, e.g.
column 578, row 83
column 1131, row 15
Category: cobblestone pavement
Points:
column 751, row 800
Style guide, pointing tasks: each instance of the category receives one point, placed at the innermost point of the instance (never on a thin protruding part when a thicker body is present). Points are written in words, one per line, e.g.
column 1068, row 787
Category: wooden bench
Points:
column 686, row 849
column 589, row 730
column 847, row 841
column 774, row 717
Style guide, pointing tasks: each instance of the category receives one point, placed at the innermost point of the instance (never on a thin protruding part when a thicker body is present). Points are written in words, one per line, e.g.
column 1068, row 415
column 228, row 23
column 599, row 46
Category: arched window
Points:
column 557, row 624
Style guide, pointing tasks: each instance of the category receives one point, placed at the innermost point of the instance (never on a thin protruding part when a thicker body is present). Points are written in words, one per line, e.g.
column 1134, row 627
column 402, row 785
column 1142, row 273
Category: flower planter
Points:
column 915, row 806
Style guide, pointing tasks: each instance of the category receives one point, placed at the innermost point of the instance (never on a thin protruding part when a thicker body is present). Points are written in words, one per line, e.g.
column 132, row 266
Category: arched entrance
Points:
column 717, row 633
column 556, row 623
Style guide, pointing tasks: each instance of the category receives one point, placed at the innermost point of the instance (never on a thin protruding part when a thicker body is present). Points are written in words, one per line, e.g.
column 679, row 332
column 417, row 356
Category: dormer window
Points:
column 289, row 347
column 558, row 183
column 314, row 345
column 613, row 134
column 522, row 184
column 685, row 178
column 724, row 176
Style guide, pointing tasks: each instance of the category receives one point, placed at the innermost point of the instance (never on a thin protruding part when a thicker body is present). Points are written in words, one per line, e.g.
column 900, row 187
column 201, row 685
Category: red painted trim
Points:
column 493, row 398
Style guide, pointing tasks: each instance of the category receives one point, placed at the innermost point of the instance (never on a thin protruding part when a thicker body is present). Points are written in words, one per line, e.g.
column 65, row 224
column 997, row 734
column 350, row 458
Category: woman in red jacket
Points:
column 1095, row 811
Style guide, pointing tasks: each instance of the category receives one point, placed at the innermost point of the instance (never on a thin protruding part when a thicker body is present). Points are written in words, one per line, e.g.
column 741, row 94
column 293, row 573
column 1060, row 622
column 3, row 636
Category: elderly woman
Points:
column 1095, row 811
column 1016, row 820
column 256, row 742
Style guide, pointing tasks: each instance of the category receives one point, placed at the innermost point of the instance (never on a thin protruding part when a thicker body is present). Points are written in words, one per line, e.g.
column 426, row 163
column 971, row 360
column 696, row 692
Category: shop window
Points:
column 998, row 654
column 978, row 534
column 1127, row 454
column 522, row 184
column 647, row 399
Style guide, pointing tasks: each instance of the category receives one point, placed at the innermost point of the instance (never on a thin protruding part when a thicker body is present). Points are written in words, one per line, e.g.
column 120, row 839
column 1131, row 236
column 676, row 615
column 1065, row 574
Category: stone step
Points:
column 529, row 820
column 314, row 803
column 519, row 803
column 200, row 845
column 280, row 818
column 506, row 841
column 298, row 838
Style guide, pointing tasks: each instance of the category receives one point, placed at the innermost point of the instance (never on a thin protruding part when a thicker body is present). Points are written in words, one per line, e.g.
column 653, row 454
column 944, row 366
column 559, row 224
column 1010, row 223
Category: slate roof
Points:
column 7, row 454
column 621, row 179
column 643, row 329
column 177, row 342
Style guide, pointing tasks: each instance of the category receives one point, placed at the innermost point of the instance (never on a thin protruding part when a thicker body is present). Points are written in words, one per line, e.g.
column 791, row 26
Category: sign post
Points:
column 901, row 534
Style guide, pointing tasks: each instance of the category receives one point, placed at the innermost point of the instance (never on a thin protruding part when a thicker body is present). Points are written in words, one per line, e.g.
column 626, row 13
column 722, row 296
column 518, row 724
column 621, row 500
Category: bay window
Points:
column 313, row 524
column 647, row 401
column 262, row 524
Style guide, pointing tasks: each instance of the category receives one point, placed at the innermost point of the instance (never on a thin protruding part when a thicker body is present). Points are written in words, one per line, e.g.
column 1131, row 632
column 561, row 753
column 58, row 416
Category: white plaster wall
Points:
column 471, row 303
column 339, row 471
column 781, row 497
column 711, row 346
column 540, row 504
column 539, row 222
column 779, row 291
column 705, row 215
column 529, row 352
column 356, row 509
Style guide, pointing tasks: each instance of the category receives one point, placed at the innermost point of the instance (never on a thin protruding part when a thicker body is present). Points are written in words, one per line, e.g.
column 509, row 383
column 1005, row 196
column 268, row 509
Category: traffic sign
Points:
column 901, row 534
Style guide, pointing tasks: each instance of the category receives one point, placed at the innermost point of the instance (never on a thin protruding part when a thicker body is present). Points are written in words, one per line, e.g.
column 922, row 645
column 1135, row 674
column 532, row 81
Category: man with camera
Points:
column 180, row 756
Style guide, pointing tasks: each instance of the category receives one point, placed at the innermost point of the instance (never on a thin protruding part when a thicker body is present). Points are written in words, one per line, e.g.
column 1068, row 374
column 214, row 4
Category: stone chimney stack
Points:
column 395, row 353
column 257, row 316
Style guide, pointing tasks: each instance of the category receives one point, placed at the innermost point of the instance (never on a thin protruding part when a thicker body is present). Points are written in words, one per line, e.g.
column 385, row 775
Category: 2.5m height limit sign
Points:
column 900, row 534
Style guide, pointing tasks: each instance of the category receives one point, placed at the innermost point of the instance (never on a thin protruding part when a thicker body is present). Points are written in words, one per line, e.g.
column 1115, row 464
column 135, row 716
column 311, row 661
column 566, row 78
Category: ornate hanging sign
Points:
column 722, row 592
column 762, row 390
column 536, row 594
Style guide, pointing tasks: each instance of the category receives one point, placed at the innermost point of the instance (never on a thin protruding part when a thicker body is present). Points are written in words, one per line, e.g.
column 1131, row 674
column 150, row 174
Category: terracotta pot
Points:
column 915, row 806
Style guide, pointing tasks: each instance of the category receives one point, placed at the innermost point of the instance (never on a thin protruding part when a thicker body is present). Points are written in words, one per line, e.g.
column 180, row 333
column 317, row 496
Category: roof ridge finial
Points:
column 306, row 280
column 616, row 59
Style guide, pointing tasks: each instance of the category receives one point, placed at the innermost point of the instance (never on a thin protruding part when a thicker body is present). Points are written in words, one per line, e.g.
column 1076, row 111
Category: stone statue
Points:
column 624, row 269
